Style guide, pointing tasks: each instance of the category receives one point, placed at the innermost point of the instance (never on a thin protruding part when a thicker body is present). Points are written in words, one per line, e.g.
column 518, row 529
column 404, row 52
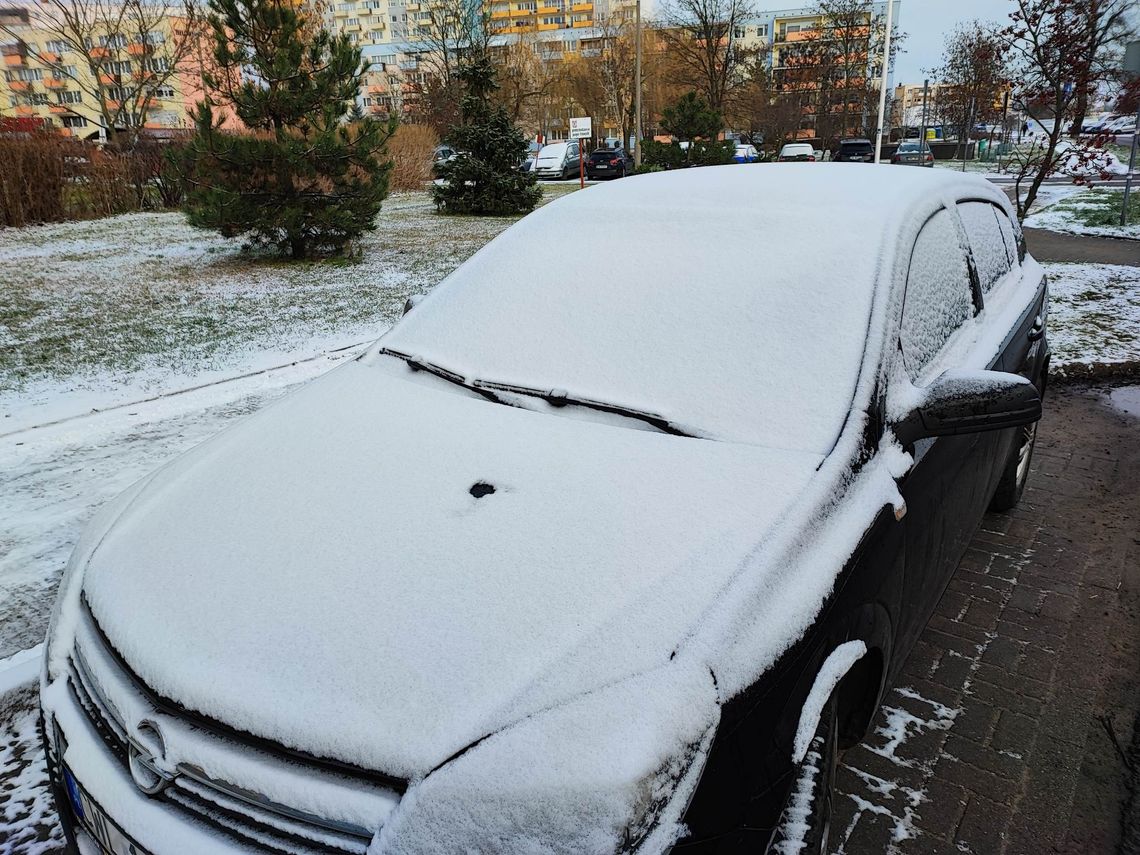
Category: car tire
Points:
column 1016, row 471
column 805, row 824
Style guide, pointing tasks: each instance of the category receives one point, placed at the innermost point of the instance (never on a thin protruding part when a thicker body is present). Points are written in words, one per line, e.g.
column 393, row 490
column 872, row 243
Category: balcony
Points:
column 59, row 109
column 582, row 7
column 25, row 110
column 109, row 79
column 51, row 58
column 547, row 27
column 19, row 86
column 138, row 49
column 55, row 83
column 99, row 53
column 407, row 65
column 497, row 14
column 585, row 22
column 13, row 59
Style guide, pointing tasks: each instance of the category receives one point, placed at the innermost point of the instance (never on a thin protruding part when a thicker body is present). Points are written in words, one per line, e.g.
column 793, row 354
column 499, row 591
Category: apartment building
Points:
column 125, row 78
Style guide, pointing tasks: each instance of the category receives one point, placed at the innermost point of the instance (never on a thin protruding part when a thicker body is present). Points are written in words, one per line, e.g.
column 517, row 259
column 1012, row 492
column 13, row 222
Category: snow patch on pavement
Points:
column 1094, row 314
column 20, row 669
column 28, row 821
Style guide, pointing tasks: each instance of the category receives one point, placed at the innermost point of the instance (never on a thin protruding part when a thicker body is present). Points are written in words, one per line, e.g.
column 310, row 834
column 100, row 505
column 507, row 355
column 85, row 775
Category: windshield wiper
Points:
column 418, row 363
column 559, row 398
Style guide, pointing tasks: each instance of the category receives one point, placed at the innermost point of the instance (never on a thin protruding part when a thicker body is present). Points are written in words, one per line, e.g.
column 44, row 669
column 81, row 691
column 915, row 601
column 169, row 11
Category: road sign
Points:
column 580, row 129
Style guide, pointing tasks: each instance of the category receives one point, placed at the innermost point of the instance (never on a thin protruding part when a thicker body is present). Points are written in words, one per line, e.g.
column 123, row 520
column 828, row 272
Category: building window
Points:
column 154, row 37
column 39, row 99
column 166, row 93
column 156, row 63
column 74, row 122
column 115, row 40
column 119, row 67
column 58, row 46
column 116, row 93
column 69, row 97
column 762, row 30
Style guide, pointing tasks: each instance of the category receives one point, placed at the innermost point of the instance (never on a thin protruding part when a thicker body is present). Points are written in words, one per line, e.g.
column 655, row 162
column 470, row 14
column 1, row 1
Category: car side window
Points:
column 939, row 298
column 1008, row 235
column 986, row 243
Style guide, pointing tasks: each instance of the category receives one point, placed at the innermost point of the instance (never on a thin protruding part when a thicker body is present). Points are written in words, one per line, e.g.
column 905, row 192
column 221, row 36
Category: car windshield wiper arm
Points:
column 559, row 398
column 418, row 363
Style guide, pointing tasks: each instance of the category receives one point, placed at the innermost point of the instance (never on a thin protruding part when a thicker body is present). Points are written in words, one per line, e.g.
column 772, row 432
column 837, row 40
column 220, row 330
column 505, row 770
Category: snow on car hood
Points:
column 321, row 574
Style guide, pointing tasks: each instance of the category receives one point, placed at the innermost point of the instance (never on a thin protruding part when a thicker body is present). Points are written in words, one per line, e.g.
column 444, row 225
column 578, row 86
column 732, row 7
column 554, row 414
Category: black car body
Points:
column 854, row 151
column 608, row 163
column 584, row 562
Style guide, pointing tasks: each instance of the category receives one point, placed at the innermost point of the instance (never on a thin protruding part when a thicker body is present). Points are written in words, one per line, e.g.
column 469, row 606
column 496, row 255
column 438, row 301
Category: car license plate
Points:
column 102, row 829
column 601, row 166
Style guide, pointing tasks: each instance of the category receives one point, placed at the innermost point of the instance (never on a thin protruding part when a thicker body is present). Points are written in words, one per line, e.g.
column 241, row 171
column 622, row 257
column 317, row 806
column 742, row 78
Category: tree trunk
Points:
column 297, row 246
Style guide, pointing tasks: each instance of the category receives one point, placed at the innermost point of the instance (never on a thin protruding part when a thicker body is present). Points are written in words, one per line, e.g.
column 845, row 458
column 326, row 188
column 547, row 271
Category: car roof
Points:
column 799, row 145
column 855, row 140
column 725, row 260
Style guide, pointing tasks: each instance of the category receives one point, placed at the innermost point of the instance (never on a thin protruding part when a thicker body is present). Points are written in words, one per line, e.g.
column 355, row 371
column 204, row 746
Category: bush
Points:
column 49, row 178
column 411, row 149
column 649, row 167
column 662, row 155
column 711, row 152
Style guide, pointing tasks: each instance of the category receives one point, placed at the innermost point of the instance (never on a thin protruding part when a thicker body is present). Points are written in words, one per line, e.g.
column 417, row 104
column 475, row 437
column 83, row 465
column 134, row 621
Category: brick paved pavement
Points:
column 1017, row 707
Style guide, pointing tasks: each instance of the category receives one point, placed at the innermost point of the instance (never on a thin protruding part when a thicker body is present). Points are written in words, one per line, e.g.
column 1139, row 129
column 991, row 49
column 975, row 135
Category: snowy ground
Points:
column 1090, row 212
column 1094, row 316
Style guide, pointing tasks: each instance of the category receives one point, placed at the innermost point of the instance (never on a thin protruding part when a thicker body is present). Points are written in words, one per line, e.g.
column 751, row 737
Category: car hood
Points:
column 321, row 574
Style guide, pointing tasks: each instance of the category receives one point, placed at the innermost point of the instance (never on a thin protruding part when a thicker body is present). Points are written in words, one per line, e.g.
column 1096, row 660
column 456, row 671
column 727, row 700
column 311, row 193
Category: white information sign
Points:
column 581, row 129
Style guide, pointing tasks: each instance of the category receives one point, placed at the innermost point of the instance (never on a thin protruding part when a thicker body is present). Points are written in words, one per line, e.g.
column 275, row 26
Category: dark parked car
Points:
column 854, row 151
column 608, row 163
column 913, row 154
column 578, row 557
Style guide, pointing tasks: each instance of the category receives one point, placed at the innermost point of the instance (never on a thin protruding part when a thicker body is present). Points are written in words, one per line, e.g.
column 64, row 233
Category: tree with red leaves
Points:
column 1053, row 62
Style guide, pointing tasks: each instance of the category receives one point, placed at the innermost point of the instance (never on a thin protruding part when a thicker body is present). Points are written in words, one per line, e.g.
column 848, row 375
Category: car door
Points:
column 995, row 250
column 941, row 489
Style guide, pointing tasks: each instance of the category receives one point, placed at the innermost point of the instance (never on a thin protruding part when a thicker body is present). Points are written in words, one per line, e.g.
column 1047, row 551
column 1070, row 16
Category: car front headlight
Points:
column 609, row 771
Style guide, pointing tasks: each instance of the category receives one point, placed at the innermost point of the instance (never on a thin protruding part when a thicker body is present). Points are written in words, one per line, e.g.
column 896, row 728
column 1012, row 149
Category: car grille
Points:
column 249, row 817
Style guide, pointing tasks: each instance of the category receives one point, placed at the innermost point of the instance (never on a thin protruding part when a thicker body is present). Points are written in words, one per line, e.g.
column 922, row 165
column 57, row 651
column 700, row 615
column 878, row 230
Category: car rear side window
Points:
column 1008, row 235
column 986, row 242
column 938, row 293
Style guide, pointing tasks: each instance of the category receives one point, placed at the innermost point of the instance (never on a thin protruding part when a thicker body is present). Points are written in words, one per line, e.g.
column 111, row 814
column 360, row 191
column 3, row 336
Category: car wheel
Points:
column 806, row 821
column 1016, row 472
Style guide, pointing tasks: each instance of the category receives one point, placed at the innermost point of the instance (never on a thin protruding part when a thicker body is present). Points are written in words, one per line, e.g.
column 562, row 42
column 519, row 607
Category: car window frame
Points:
column 996, row 209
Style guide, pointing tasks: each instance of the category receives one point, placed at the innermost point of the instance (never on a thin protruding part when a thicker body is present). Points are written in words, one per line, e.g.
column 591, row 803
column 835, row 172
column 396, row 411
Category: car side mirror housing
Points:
column 412, row 302
column 970, row 402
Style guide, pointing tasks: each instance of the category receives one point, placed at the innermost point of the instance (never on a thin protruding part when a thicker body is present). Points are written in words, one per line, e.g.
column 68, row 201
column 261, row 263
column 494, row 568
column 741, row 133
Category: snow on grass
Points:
column 1094, row 211
column 1094, row 315
column 105, row 311
column 28, row 821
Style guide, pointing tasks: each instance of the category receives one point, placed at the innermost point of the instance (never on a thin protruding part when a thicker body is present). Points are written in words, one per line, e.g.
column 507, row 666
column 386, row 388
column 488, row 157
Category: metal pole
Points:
column 637, row 88
column 925, row 94
column 964, row 135
column 883, row 80
column 1131, row 167
column 1004, row 125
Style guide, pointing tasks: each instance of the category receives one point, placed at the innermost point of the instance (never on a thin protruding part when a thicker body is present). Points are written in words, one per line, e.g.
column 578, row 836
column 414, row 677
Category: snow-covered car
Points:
column 593, row 552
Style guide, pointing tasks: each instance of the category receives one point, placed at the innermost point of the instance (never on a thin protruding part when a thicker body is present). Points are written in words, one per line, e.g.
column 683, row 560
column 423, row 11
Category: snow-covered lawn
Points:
column 1094, row 316
column 106, row 311
column 1094, row 211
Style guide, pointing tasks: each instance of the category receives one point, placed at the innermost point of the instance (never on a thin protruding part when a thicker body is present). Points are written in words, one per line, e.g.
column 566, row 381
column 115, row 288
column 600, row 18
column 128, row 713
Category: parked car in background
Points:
column 1122, row 125
column 854, row 151
column 442, row 154
column 797, row 152
column 746, row 153
column 608, row 163
column 647, row 560
column 913, row 153
column 558, row 160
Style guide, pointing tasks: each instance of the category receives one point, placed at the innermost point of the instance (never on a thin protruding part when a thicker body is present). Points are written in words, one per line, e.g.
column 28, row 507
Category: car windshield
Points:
column 660, row 306
column 554, row 150
column 911, row 148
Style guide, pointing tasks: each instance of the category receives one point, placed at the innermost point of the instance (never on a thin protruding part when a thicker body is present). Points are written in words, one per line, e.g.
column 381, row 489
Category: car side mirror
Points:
column 969, row 402
column 412, row 302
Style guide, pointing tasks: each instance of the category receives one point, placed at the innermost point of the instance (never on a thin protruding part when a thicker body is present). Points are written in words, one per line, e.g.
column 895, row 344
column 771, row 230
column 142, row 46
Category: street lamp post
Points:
column 637, row 88
column 883, row 81
column 1132, row 69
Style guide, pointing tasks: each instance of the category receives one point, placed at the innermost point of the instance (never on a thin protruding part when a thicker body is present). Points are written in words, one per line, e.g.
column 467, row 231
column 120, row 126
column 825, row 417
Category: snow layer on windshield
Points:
column 733, row 302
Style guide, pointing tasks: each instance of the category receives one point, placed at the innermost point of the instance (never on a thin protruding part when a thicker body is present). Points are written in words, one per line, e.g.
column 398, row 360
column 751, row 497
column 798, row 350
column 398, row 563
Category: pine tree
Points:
column 484, row 179
column 309, row 175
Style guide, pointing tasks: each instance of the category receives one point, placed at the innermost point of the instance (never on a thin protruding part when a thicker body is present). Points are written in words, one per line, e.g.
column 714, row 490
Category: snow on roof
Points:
column 733, row 301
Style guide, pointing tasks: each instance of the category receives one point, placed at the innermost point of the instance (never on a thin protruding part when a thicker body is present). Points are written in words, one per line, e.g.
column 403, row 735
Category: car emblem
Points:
column 147, row 750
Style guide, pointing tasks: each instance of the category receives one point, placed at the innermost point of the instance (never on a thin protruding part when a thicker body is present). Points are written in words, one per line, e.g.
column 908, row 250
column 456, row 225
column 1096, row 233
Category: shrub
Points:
column 711, row 152
column 411, row 149
column 663, row 155
column 649, row 167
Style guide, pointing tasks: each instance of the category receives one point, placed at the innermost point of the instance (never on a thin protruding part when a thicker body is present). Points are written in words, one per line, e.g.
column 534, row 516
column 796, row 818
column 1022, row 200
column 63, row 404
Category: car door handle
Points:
column 1038, row 329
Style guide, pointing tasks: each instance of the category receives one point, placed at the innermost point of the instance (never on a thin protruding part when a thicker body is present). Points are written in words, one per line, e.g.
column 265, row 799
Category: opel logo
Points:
column 147, row 748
